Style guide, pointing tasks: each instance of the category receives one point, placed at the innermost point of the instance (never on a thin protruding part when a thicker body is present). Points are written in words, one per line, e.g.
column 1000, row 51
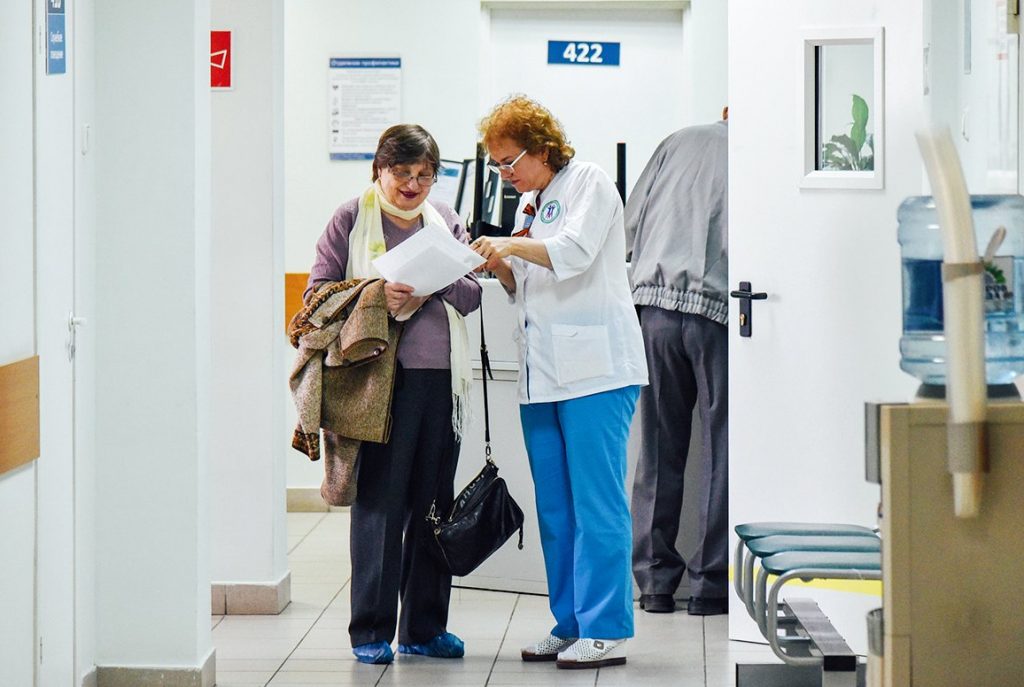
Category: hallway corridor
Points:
column 307, row 644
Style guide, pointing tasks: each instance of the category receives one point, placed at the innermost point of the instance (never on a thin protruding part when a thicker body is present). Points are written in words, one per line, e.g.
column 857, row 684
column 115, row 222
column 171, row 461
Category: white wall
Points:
column 17, row 336
column 152, row 333
column 248, row 441
column 17, row 547
column 705, row 75
column 438, row 43
column 978, row 98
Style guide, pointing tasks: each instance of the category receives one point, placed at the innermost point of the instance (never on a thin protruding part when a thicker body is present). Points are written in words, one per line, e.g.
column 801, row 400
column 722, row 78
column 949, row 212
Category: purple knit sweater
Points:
column 424, row 343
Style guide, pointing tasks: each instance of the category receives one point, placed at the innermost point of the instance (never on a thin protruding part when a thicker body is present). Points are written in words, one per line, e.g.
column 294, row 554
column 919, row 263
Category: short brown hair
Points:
column 405, row 144
column 532, row 126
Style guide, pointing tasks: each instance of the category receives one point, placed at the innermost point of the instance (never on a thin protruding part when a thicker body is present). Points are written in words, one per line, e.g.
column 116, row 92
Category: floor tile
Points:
column 244, row 676
column 242, row 665
column 366, row 675
column 307, row 645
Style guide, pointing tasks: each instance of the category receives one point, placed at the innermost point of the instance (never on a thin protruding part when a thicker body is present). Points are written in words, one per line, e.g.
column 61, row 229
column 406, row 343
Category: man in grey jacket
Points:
column 676, row 222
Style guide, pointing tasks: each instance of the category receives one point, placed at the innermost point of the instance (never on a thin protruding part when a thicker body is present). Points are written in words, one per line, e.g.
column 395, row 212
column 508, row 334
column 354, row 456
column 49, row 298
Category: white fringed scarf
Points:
column 366, row 242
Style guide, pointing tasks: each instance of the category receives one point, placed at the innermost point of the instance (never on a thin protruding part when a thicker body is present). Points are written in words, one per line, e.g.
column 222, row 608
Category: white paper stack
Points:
column 429, row 260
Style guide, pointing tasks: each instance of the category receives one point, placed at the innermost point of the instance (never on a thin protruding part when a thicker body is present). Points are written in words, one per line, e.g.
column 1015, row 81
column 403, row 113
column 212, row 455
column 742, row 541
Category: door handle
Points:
column 745, row 295
column 72, row 343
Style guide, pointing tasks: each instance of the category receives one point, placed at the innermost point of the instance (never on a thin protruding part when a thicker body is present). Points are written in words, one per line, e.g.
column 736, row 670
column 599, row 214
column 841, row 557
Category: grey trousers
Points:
column 687, row 360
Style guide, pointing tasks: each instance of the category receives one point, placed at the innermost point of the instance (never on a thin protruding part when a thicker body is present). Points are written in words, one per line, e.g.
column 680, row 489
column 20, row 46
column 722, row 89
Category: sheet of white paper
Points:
column 429, row 260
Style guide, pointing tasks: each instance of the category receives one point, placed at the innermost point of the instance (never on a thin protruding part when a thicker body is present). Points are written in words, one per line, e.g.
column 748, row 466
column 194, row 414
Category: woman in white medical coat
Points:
column 581, row 364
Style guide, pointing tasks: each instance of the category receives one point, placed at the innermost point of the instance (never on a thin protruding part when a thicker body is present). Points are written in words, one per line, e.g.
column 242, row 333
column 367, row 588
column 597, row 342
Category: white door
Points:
column 55, row 250
column 639, row 102
column 826, row 339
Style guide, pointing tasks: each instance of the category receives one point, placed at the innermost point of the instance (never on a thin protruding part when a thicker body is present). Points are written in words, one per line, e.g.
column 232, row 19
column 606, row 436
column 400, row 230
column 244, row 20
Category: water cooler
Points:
column 952, row 585
column 999, row 227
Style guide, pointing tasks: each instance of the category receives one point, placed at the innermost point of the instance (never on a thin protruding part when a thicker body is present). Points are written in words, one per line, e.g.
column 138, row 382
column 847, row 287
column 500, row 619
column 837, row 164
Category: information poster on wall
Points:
column 364, row 97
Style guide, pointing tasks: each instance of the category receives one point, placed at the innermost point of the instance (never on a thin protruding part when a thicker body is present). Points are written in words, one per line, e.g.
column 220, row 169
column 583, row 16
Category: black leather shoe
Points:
column 657, row 603
column 708, row 605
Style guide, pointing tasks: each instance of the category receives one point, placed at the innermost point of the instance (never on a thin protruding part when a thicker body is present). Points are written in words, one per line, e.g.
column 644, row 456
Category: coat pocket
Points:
column 581, row 352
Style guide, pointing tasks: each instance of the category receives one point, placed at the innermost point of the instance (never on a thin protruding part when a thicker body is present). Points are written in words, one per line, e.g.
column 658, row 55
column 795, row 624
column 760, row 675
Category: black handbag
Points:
column 484, row 515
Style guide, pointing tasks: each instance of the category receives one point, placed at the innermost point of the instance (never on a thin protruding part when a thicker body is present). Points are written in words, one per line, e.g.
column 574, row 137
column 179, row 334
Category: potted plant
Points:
column 854, row 151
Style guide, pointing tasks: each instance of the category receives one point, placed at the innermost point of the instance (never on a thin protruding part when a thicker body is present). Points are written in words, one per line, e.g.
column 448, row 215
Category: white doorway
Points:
column 639, row 102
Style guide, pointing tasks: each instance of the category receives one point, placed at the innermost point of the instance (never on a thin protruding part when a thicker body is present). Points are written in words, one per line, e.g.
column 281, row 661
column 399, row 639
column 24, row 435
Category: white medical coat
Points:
column 577, row 328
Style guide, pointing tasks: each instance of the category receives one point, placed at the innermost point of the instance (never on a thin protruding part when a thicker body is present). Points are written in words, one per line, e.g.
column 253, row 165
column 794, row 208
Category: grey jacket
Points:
column 677, row 225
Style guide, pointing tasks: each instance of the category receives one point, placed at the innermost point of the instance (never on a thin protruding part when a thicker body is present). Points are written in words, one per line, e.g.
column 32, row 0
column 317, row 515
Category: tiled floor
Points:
column 308, row 644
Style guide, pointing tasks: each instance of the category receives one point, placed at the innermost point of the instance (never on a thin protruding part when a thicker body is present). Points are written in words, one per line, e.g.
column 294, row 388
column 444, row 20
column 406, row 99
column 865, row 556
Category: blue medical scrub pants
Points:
column 577, row 451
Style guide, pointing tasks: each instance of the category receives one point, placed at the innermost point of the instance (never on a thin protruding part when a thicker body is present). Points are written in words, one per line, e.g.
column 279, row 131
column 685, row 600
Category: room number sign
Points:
column 590, row 53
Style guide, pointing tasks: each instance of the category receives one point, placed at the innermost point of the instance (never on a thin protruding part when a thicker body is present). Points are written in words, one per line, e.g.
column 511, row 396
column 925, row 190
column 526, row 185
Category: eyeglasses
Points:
column 406, row 177
column 505, row 169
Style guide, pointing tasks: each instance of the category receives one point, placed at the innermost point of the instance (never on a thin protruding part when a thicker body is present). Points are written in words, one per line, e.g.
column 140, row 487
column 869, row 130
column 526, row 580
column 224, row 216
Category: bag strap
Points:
column 485, row 369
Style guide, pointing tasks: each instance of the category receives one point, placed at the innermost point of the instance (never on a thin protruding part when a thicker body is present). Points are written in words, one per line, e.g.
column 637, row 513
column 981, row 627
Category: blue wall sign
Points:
column 56, row 37
column 366, row 63
column 583, row 52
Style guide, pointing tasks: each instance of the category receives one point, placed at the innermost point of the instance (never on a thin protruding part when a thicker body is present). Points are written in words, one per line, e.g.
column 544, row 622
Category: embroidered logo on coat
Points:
column 550, row 212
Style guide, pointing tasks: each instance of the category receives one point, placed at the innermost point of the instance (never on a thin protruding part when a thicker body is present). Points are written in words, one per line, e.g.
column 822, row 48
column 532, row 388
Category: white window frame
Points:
column 810, row 176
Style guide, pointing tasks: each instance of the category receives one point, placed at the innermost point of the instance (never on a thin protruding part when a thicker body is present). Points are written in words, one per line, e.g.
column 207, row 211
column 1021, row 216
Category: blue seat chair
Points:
column 743, row 559
column 806, row 565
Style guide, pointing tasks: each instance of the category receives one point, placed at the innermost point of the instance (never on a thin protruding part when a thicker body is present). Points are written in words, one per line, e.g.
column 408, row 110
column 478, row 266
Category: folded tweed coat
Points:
column 343, row 377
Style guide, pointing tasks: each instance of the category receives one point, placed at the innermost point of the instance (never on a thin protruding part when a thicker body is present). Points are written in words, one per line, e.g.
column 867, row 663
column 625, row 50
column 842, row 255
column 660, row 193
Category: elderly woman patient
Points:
column 398, row 480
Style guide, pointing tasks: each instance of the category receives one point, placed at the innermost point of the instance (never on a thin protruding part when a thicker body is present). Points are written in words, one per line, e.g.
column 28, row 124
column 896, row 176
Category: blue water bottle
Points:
column 923, row 345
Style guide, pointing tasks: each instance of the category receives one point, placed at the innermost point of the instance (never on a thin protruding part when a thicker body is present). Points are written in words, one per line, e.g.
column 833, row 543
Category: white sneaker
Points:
column 546, row 649
column 593, row 653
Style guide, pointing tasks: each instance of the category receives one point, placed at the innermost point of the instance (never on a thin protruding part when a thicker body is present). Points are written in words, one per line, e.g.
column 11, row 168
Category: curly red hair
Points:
column 531, row 126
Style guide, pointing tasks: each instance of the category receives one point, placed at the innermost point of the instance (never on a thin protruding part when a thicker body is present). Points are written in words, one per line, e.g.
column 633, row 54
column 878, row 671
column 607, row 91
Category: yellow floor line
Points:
column 869, row 587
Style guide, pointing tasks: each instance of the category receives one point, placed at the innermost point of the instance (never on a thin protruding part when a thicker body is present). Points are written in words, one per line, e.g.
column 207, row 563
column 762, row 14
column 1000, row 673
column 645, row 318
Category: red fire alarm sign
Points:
column 220, row 59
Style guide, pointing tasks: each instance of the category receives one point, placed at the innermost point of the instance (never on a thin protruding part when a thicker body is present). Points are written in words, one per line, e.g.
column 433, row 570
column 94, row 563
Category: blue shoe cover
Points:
column 444, row 645
column 374, row 652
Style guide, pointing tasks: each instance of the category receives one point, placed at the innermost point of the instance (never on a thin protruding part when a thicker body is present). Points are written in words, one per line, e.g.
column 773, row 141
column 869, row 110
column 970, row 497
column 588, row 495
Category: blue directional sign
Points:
column 56, row 37
column 592, row 53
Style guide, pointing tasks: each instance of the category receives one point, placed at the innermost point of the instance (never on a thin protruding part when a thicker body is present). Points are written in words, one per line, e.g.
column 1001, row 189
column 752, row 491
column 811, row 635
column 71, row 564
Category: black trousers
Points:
column 396, row 483
column 688, row 365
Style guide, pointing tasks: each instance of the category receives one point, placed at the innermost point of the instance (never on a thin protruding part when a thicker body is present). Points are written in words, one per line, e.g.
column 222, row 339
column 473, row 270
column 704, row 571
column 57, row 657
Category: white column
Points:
column 17, row 339
column 152, row 329
column 249, row 563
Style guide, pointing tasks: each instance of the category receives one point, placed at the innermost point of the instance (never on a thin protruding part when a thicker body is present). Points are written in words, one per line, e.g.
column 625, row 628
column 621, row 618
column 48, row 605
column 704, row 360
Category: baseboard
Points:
column 155, row 676
column 308, row 500
column 238, row 598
